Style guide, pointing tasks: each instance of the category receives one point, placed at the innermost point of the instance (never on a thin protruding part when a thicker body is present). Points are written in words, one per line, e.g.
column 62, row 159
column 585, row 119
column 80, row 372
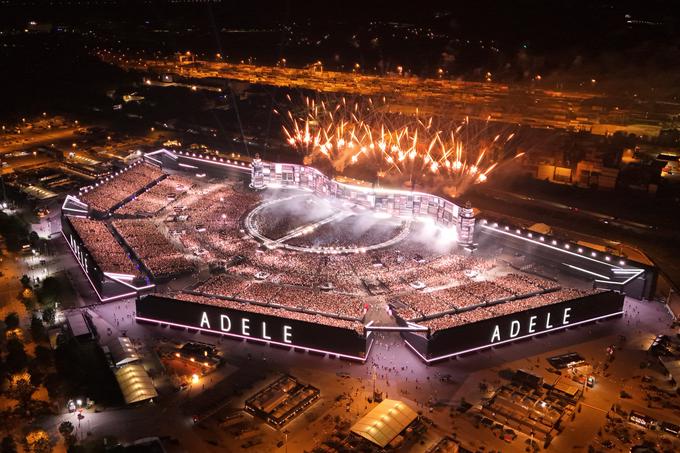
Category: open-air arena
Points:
column 282, row 255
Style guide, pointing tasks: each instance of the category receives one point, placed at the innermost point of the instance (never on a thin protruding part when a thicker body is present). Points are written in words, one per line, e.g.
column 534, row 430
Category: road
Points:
column 29, row 139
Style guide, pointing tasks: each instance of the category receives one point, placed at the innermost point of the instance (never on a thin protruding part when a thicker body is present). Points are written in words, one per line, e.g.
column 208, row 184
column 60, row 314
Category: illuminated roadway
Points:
column 27, row 140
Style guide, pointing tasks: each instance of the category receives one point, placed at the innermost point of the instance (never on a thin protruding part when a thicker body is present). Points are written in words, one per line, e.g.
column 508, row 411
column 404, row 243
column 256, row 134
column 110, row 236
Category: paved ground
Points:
column 398, row 373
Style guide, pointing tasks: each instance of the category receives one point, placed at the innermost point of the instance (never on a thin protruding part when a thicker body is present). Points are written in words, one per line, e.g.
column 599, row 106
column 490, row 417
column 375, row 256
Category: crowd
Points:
column 210, row 225
column 156, row 198
column 295, row 298
column 212, row 219
column 487, row 291
column 107, row 194
column 506, row 308
column 223, row 285
column 337, row 271
column 208, row 222
column 102, row 245
column 321, row 302
column 275, row 311
column 474, row 293
column 519, row 284
column 153, row 249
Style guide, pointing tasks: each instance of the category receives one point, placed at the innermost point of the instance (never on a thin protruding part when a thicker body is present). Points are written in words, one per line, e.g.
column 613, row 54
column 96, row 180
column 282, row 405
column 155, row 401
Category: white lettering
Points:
column 496, row 336
column 204, row 320
column 547, row 322
column 532, row 324
column 565, row 318
column 514, row 329
column 287, row 334
column 228, row 320
column 264, row 331
column 245, row 326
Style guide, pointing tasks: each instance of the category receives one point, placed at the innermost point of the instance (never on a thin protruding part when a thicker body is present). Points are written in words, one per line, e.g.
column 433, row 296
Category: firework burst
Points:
column 397, row 147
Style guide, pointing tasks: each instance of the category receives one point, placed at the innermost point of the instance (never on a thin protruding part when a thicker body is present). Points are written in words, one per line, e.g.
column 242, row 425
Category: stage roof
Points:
column 384, row 422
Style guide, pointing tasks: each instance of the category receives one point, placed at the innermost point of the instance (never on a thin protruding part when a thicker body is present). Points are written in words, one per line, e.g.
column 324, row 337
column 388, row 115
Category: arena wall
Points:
column 492, row 332
column 106, row 288
column 257, row 327
column 82, row 254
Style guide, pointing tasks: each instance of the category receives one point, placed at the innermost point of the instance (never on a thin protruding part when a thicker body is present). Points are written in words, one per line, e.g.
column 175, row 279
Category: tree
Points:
column 13, row 230
column 12, row 321
column 8, row 445
column 38, row 442
column 52, row 383
column 38, row 331
column 42, row 445
column 20, row 388
column 34, row 239
column 49, row 291
column 26, row 297
column 16, row 355
column 25, row 280
column 44, row 357
column 66, row 430
column 48, row 315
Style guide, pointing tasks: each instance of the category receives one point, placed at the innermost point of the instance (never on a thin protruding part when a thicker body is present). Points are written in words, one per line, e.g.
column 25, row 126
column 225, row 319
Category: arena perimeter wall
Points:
column 488, row 333
column 256, row 327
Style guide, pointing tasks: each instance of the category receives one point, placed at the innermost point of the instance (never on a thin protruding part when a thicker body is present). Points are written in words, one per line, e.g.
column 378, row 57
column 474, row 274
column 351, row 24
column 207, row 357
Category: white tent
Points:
column 385, row 422
column 135, row 383
column 123, row 351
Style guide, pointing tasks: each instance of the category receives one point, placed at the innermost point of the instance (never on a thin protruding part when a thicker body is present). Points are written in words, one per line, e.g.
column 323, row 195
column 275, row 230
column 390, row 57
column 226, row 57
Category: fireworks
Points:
column 402, row 147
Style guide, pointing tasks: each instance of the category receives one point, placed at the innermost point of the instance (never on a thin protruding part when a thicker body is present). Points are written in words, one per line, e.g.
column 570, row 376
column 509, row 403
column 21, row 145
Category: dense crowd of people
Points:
column 321, row 302
column 474, row 293
column 210, row 226
column 291, row 297
column 152, row 248
column 156, row 198
column 506, row 308
column 272, row 310
column 102, row 245
column 211, row 221
column 107, row 194
column 223, row 285
column 525, row 284
column 436, row 288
